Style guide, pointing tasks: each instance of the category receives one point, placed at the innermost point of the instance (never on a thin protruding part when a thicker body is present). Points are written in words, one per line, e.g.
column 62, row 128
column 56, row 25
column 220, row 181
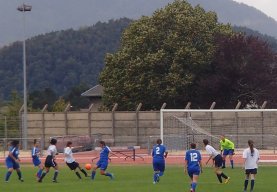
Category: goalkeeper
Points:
column 227, row 147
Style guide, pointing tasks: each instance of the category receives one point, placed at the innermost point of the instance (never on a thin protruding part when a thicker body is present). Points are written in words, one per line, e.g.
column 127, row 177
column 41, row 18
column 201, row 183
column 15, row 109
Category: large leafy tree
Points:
column 161, row 57
column 243, row 69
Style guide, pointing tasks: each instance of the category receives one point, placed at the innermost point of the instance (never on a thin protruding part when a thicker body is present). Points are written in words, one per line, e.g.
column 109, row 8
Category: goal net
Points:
column 180, row 127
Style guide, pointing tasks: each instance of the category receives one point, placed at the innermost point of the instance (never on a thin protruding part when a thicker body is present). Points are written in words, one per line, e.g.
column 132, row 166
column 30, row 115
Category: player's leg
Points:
column 82, row 170
column 190, row 174
column 246, row 180
column 194, row 181
column 44, row 173
column 8, row 174
column 103, row 168
column 231, row 153
column 93, row 173
column 218, row 171
column 19, row 174
column 224, row 155
column 252, row 177
column 156, row 168
column 56, row 173
column 162, row 168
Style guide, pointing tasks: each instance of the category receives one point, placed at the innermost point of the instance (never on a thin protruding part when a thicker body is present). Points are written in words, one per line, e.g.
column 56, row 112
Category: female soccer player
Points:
column 251, row 158
column 217, row 158
column 103, row 161
column 70, row 161
column 159, row 154
column 50, row 161
column 193, row 165
column 12, row 161
column 227, row 147
column 36, row 160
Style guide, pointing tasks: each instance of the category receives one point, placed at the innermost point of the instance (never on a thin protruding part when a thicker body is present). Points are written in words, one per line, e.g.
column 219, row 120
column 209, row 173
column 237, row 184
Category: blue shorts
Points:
column 102, row 165
column 218, row 161
column 228, row 152
column 193, row 171
column 159, row 165
column 12, row 164
column 36, row 162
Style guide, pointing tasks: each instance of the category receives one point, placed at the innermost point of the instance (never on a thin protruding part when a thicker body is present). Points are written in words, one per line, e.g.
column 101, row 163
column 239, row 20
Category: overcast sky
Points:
column 269, row 7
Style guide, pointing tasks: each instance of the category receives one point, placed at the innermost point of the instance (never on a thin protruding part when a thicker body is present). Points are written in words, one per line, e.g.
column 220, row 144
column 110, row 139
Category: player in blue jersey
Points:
column 159, row 154
column 103, row 161
column 12, row 161
column 36, row 160
column 193, row 165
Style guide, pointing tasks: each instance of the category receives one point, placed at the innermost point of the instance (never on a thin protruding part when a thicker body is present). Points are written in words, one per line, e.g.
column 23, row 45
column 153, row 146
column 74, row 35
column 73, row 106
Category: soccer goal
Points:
column 179, row 128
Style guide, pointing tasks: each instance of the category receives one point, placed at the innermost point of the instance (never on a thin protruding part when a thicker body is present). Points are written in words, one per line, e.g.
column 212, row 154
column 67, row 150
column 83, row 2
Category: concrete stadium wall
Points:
column 134, row 127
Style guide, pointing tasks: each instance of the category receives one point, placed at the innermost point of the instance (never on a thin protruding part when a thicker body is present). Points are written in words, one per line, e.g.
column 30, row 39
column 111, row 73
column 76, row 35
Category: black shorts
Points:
column 218, row 161
column 251, row 171
column 72, row 165
column 50, row 162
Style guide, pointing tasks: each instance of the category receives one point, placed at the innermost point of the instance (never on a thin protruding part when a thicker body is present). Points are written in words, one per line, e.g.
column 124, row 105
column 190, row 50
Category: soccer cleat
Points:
column 191, row 190
column 227, row 180
column 223, row 167
column 54, row 181
column 154, row 182
column 112, row 176
column 21, row 179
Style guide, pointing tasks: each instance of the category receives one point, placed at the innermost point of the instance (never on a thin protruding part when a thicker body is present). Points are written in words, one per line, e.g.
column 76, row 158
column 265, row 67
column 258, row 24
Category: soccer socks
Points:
column 55, row 175
column 219, row 177
column 245, row 184
column 93, row 174
column 85, row 173
column 109, row 175
column 78, row 175
column 42, row 176
column 161, row 174
column 39, row 173
column 19, row 175
column 224, row 176
column 252, row 184
column 155, row 177
column 193, row 186
column 232, row 163
column 8, row 174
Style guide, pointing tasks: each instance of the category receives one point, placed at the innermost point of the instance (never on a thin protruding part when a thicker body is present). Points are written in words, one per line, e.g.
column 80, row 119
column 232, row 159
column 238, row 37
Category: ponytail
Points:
column 251, row 145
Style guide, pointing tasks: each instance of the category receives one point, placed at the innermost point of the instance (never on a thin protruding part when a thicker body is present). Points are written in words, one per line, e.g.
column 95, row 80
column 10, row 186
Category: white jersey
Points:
column 211, row 151
column 52, row 150
column 251, row 160
column 68, row 155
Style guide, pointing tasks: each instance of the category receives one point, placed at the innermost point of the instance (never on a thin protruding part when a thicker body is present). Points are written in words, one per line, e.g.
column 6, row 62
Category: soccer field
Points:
column 137, row 179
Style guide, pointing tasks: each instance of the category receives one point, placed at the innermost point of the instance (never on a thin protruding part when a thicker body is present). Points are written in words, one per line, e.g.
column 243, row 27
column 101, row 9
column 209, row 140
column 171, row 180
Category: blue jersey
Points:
column 193, row 158
column 158, row 152
column 14, row 151
column 104, row 154
column 35, row 153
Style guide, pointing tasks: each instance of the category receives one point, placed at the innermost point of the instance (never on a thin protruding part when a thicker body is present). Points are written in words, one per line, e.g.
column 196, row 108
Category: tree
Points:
column 75, row 98
column 40, row 98
column 59, row 105
column 243, row 69
column 161, row 57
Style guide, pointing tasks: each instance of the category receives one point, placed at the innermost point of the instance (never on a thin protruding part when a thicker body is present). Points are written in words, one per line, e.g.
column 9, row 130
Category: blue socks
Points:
column 109, row 175
column 161, row 174
column 39, row 173
column 8, row 174
column 193, row 186
column 232, row 163
column 93, row 174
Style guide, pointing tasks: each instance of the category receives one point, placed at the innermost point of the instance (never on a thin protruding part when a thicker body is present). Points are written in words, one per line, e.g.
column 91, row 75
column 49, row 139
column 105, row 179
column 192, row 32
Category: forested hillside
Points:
column 60, row 60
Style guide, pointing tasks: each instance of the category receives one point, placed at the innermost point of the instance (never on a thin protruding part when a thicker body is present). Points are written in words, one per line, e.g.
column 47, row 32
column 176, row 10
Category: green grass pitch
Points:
column 137, row 179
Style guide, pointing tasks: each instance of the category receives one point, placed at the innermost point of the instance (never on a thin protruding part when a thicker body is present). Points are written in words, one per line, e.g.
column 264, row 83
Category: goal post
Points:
column 180, row 127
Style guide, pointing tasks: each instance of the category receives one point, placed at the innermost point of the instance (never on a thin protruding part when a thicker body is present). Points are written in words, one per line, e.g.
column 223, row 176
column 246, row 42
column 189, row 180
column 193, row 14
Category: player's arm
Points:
column 165, row 154
column 13, row 157
column 201, row 167
column 186, row 166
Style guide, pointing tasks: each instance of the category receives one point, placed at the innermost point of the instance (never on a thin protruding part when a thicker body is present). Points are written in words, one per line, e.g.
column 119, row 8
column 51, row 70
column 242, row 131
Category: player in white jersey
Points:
column 251, row 158
column 70, row 161
column 217, row 160
column 50, row 161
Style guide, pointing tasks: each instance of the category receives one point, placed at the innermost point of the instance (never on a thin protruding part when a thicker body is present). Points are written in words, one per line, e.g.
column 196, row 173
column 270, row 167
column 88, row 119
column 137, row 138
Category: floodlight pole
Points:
column 24, row 8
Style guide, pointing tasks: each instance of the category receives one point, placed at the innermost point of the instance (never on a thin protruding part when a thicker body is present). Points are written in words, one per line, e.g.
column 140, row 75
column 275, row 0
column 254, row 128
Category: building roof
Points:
column 96, row 91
